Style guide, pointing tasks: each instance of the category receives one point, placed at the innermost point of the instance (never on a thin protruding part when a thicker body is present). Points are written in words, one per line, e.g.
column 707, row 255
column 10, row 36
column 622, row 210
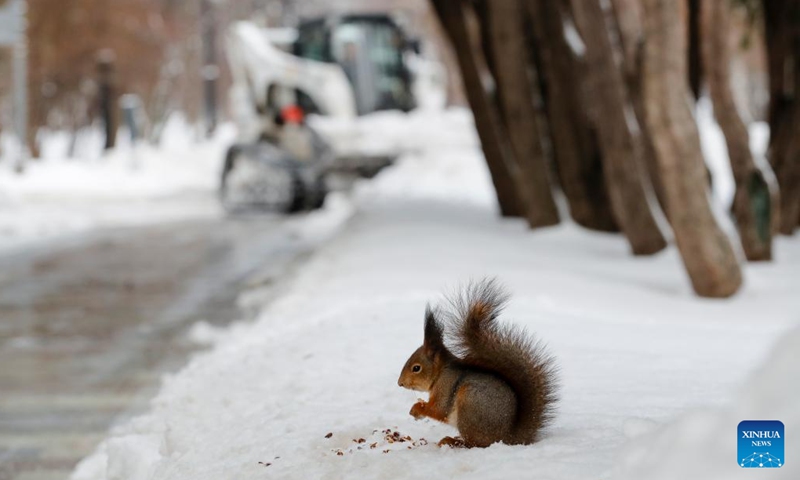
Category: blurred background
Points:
column 169, row 56
column 157, row 157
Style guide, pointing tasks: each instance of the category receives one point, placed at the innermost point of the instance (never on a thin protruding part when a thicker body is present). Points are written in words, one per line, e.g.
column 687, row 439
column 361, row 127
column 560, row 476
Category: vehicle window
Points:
column 371, row 55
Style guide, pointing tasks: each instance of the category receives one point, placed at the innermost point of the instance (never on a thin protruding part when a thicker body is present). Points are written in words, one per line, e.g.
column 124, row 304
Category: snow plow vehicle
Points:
column 302, row 100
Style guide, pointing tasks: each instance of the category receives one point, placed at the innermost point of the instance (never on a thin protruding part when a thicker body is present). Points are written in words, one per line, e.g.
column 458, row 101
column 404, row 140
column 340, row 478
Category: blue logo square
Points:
column 761, row 444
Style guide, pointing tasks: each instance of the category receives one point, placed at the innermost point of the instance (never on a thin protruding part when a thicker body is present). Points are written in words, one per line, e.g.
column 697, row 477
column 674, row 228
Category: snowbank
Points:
column 636, row 348
column 703, row 439
column 181, row 162
column 132, row 185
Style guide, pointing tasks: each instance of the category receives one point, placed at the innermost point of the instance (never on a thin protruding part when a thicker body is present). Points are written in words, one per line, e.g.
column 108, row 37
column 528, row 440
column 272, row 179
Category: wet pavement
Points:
column 89, row 324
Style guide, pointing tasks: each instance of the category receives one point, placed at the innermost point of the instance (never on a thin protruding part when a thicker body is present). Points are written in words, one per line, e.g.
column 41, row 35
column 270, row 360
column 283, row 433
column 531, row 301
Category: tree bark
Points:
column 789, row 173
column 708, row 253
column 510, row 57
column 107, row 97
column 777, row 36
column 574, row 147
column 695, row 57
column 629, row 23
column 609, row 106
column 755, row 202
column 782, row 30
column 487, row 121
column 437, row 38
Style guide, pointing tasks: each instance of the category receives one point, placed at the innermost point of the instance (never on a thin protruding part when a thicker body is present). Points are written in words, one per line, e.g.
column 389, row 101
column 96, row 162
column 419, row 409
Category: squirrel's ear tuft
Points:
column 434, row 335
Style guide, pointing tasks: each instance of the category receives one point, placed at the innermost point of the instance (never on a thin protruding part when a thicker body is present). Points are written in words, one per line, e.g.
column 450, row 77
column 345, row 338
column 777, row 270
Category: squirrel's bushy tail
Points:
column 508, row 352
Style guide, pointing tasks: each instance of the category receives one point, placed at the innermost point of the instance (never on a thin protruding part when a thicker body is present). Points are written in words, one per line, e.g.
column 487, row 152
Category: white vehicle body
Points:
column 258, row 61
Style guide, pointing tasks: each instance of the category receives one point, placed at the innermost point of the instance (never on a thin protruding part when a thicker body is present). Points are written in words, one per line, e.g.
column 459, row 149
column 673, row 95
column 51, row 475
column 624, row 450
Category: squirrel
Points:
column 494, row 384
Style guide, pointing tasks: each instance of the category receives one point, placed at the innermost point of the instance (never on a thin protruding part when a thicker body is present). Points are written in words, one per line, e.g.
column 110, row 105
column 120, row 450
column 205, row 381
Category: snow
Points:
column 131, row 185
column 388, row 133
column 715, row 151
column 573, row 38
column 653, row 377
column 771, row 392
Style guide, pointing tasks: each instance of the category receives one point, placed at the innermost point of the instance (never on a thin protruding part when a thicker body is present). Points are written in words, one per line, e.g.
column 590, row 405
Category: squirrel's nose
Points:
column 400, row 383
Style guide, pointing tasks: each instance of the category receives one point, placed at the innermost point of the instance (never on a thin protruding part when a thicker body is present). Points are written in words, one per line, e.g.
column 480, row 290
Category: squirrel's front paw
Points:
column 417, row 410
column 453, row 442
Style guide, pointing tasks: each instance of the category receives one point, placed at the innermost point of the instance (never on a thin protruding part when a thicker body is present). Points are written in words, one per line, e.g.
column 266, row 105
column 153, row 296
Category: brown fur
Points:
column 498, row 386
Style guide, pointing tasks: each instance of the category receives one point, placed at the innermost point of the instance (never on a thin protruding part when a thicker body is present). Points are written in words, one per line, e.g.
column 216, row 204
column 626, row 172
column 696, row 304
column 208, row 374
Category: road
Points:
column 89, row 324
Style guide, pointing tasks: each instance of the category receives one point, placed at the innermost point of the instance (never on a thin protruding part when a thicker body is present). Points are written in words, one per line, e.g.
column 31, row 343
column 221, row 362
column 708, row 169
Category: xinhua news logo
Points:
column 761, row 444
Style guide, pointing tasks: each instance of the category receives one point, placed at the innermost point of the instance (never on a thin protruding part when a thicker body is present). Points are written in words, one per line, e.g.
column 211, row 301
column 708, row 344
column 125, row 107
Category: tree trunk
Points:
column 782, row 30
column 107, row 97
column 777, row 35
column 789, row 174
column 629, row 22
column 487, row 120
column 609, row 105
column 574, row 147
column 695, row 57
column 510, row 56
column 708, row 253
column 755, row 203
column 437, row 38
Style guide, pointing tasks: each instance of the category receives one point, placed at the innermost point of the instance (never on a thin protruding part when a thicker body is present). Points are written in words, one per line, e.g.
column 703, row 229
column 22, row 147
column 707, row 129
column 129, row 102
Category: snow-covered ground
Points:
column 132, row 185
column 655, row 380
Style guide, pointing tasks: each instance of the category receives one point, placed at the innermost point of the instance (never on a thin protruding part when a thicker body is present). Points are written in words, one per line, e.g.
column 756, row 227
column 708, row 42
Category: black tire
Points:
column 230, row 158
column 313, row 193
column 294, row 200
column 298, row 194
column 320, row 192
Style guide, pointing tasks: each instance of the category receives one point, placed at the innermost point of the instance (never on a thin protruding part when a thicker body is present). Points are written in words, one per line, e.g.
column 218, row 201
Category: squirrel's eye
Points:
column 416, row 368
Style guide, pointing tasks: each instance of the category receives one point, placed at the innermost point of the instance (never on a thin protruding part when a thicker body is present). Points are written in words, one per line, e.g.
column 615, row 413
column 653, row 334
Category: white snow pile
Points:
column 293, row 394
column 702, row 439
column 131, row 185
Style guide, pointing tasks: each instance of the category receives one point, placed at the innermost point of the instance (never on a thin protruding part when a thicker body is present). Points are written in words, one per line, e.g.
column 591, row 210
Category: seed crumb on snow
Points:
column 388, row 437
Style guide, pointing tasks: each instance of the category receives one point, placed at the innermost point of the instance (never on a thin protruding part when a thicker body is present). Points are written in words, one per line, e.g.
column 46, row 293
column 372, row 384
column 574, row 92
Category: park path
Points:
column 90, row 323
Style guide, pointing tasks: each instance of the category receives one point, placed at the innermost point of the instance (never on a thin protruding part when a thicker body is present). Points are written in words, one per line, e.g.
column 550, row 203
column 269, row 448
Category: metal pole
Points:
column 21, row 86
column 210, row 70
column 106, row 80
